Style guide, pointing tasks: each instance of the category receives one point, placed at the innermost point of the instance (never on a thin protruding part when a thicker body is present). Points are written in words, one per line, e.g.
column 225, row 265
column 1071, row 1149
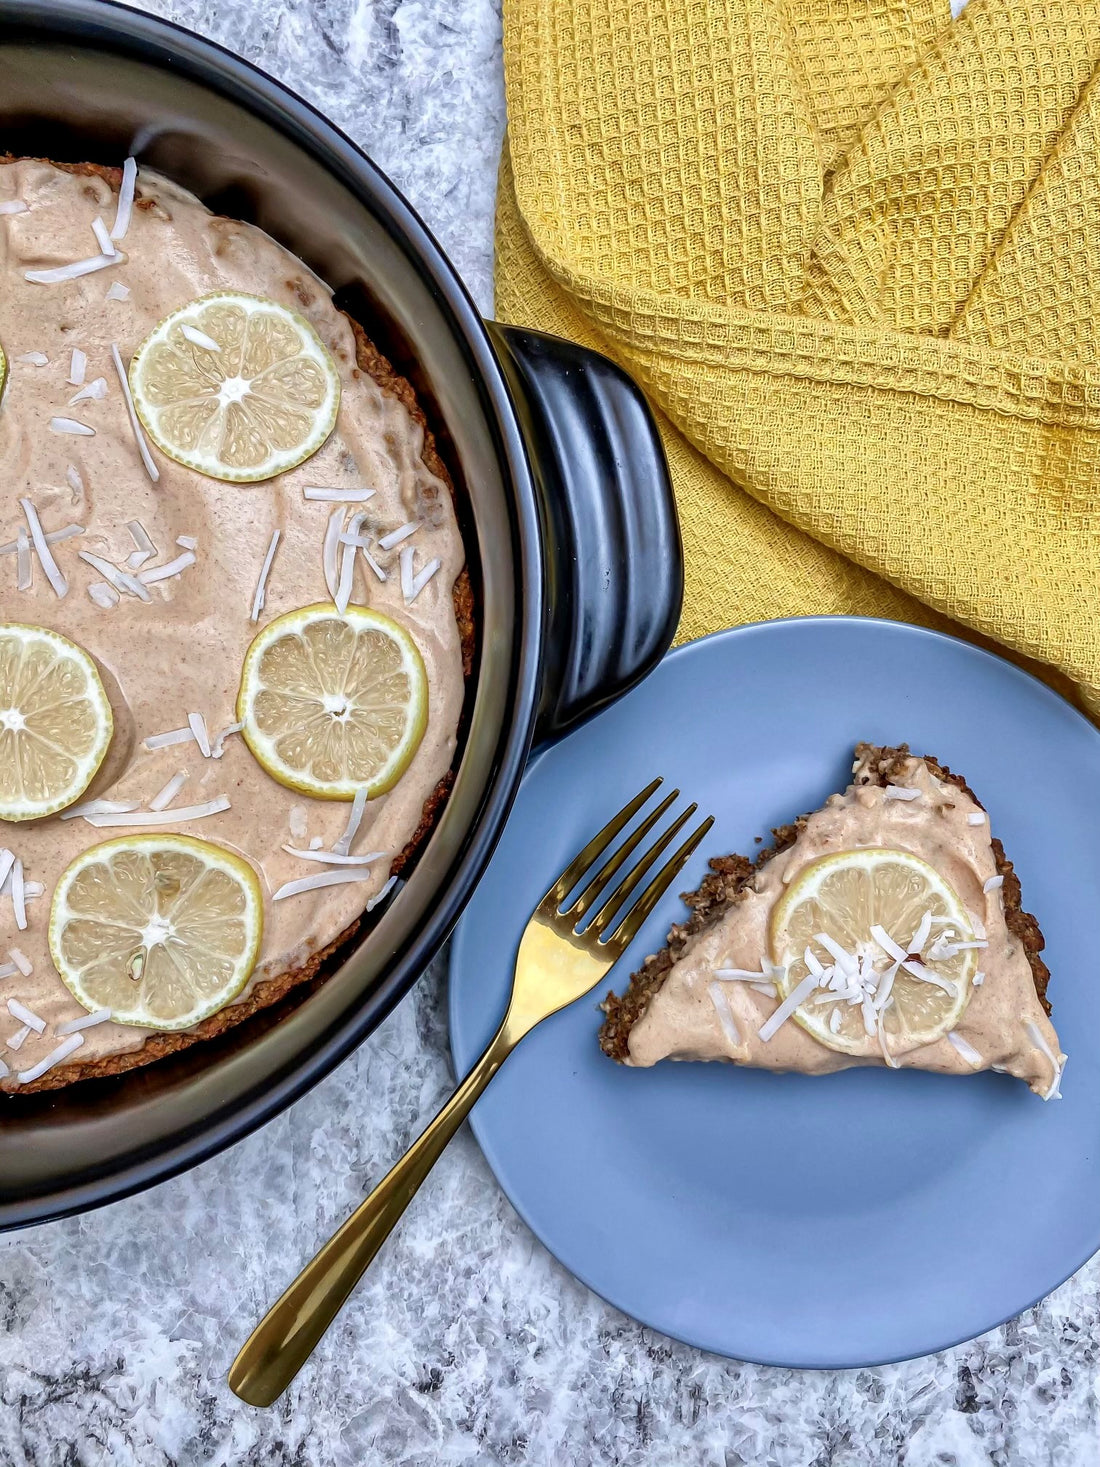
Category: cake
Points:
column 886, row 928
column 146, row 551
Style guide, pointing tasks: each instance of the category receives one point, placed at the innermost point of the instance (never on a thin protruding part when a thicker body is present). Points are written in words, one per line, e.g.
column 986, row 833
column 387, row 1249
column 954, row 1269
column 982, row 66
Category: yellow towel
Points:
column 851, row 249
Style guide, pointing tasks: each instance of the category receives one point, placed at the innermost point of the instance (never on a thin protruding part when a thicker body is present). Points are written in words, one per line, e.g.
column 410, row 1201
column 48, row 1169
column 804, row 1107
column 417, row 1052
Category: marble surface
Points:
column 467, row 1343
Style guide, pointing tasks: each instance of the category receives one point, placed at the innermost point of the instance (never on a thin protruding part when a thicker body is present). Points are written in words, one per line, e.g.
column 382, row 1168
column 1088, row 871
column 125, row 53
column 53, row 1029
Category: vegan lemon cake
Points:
column 235, row 622
column 885, row 928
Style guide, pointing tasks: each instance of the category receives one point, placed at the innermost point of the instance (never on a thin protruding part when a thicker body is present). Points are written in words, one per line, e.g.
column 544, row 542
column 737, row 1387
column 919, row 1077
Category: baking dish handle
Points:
column 613, row 559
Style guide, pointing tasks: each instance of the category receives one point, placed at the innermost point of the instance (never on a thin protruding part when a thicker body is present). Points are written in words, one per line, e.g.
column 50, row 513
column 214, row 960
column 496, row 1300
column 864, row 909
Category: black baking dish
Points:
column 569, row 524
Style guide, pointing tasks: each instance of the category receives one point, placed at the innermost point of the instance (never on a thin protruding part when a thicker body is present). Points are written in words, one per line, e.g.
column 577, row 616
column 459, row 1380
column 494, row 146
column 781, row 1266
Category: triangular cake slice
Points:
column 886, row 928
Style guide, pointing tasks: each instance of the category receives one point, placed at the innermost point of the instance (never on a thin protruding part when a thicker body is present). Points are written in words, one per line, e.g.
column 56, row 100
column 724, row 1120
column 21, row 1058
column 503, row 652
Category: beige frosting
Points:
column 182, row 652
column 683, row 1021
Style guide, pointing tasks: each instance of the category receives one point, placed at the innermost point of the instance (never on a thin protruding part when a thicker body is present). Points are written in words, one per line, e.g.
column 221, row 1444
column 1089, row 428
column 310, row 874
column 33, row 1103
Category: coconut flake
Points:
column 323, row 878
column 163, row 740
column 1035, row 1034
column 395, row 537
column 217, row 748
column 412, row 585
column 199, row 338
column 32, row 889
column 7, row 861
column 333, row 858
column 167, row 793
column 835, row 1021
column 62, row 273
column 880, row 1030
column 337, row 496
column 900, row 792
column 926, row 975
column 179, row 815
column 887, row 943
column 67, row 1047
column 8, row 970
column 69, row 531
column 42, row 550
column 13, row 206
column 86, row 1021
column 34, row 359
column 73, row 479
column 740, row 975
column 165, row 572
column 125, row 208
column 103, row 595
column 72, row 427
column 967, row 1050
column 920, row 937
column 197, row 724
column 115, row 576
column 24, row 565
column 722, row 1008
column 423, row 576
column 355, row 815
column 801, row 992
column 21, row 961
column 259, row 600
column 94, row 392
column 187, row 542
column 100, row 807
column 20, row 1037
column 78, row 368
column 143, row 447
column 382, row 894
column 375, row 567
column 978, row 979
column 297, row 821
column 993, row 884
column 976, row 818
column 102, row 238
column 347, row 561
column 146, row 550
column 329, row 548
column 118, row 292
column 25, row 1015
column 315, row 843
column 845, row 960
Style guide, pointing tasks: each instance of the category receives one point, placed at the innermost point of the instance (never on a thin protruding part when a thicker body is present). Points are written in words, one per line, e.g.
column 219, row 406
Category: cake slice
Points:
column 886, row 928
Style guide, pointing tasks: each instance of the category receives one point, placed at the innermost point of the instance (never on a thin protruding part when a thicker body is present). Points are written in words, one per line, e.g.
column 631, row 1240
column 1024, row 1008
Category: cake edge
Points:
column 271, row 990
column 728, row 881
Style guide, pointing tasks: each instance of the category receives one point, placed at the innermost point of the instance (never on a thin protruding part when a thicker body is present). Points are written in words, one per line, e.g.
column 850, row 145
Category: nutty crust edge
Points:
column 729, row 879
column 271, row 990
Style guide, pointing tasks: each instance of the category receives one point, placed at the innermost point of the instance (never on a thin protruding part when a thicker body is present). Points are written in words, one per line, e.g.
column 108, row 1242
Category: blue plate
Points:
column 850, row 1220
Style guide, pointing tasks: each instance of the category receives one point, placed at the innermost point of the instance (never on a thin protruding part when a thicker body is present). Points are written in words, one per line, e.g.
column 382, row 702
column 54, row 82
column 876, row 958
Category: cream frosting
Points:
column 182, row 652
column 1003, row 1021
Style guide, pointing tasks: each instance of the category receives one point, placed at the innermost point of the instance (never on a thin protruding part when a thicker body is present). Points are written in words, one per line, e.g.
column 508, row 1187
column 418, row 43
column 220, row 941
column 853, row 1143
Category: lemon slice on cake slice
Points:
column 163, row 929
column 334, row 703
column 55, row 721
column 888, row 928
column 235, row 386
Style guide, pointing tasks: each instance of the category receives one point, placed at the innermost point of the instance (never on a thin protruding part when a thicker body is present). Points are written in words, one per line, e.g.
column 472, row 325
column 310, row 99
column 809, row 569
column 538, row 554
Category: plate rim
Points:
column 487, row 1149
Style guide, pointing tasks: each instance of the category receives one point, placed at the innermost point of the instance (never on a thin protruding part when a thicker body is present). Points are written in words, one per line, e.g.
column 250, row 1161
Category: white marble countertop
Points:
column 467, row 1343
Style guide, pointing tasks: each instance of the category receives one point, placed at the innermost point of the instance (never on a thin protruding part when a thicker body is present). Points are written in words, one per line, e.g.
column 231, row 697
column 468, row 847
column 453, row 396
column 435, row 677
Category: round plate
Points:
column 850, row 1220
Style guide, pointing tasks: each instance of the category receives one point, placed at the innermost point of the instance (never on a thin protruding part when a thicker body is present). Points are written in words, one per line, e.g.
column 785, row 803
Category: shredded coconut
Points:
column 67, row 1047
column 197, row 724
column 94, row 392
column 395, row 537
column 78, row 368
column 24, row 564
column 163, row 740
column 165, row 572
column 72, row 427
column 975, row 818
column 125, row 208
column 333, row 858
column 329, row 548
column 139, row 436
column 21, row 961
column 86, row 1021
column 34, row 359
column 337, row 496
column 900, row 792
column 178, row 815
column 722, row 1008
column 260, row 597
column 61, row 273
column 342, row 845
column 1035, row 1034
column 967, row 1050
column 168, row 792
column 199, row 338
column 994, row 883
column 100, row 807
column 115, row 576
column 375, row 567
column 25, row 1015
column 217, row 748
column 323, row 878
column 118, row 292
column 102, row 238
column 14, row 206
column 798, row 994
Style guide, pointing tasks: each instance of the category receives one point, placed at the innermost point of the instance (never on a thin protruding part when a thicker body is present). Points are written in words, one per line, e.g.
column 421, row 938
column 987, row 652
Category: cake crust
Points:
column 372, row 363
column 729, row 879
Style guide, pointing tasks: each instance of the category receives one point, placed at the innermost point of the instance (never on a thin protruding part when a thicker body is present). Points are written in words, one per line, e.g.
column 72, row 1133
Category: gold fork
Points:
column 558, row 961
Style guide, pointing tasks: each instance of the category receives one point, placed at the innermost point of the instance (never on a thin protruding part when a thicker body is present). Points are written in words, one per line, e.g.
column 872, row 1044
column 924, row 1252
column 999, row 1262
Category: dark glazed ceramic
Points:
column 569, row 526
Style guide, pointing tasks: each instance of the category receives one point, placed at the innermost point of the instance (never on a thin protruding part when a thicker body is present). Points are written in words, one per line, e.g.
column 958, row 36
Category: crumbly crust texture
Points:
column 729, row 879
column 322, row 964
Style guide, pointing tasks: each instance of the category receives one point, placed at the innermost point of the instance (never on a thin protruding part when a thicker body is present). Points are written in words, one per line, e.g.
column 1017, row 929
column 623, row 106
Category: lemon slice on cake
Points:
column 897, row 928
column 163, row 930
column 235, row 386
column 55, row 721
column 332, row 704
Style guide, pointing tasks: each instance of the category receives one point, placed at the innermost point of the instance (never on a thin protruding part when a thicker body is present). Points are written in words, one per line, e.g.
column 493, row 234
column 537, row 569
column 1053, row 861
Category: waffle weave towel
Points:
column 851, row 249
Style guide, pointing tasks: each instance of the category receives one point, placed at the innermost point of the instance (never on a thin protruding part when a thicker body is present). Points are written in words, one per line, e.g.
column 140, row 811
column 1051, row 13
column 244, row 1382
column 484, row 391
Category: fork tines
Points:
column 596, row 886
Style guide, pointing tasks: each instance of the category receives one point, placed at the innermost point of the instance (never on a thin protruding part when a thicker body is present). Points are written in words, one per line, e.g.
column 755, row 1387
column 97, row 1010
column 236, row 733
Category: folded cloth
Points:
column 851, row 250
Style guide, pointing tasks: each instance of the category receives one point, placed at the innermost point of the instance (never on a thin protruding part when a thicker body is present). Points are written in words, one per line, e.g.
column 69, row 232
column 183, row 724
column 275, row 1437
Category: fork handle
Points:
column 286, row 1336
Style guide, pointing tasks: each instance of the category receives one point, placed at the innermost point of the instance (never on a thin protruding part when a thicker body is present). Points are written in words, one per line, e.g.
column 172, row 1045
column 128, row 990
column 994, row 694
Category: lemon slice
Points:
column 3, row 373
column 163, row 930
column 55, row 721
column 844, row 896
column 332, row 704
column 246, row 392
